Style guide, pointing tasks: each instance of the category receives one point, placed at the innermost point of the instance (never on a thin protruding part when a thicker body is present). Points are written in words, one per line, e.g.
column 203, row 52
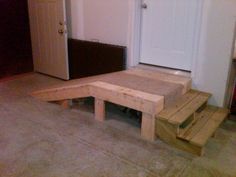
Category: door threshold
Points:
column 165, row 70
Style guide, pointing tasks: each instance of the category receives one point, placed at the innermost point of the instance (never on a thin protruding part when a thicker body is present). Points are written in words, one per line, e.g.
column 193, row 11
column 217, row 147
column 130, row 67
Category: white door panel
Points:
column 168, row 33
column 47, row 18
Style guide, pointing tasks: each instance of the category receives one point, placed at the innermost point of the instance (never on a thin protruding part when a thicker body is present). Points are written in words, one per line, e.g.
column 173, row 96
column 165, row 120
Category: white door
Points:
column 49, row 37
column 168, row 32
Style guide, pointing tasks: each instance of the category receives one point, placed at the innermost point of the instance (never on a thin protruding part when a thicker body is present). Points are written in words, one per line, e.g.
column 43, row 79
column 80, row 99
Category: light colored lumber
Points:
column 99, row 109
column 210, row 127
column 186, row 82
column 189, row 109
column 63, row 93
column 148, row 127
column 214, row 135
column 134, row 99
column 201, row 119
column 148, row 104
column 64, row 103
column 166, row 132
column 73, row 83
column 179, row 104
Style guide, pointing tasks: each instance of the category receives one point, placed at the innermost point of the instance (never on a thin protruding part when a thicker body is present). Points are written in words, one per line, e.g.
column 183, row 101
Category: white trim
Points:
column 197, row 39
column 77, row 19
column 134, row 35
column 230, row 84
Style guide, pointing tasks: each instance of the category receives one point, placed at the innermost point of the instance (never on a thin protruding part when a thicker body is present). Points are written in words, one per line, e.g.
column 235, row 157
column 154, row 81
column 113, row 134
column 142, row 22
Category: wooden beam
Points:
column 138, row 100
column 134, row 99
column 63, row 93
column 148, row 127
column 64, row 103
column 99, row 109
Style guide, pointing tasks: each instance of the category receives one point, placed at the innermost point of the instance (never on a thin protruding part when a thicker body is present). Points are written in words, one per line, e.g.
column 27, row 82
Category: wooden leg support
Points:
column 99, row 109
column 64, row 103
column 148, row 127
column 214, row 135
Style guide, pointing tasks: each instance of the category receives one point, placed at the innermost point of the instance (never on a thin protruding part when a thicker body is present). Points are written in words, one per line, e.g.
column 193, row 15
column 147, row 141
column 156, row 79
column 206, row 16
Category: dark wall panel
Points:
column 92, row 58
column 15, row 43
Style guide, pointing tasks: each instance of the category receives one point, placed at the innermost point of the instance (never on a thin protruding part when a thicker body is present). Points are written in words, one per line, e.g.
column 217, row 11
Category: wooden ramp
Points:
column 170, row 109
column 139, row 89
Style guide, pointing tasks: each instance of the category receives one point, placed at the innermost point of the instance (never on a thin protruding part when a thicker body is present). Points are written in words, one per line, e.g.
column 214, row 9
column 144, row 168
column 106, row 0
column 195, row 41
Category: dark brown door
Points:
column 15, row 43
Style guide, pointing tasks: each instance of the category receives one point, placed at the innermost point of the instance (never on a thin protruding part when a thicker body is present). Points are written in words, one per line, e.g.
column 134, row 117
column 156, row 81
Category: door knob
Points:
column 144, row 6
column 61, row 31
column 62, row 23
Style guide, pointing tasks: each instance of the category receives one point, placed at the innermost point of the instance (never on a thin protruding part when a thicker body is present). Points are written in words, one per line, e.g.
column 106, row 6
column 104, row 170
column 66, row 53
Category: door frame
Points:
column 134, row 34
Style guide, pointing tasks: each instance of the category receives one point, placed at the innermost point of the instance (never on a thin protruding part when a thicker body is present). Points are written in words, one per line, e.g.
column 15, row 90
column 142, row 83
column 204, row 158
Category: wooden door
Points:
column 49, row 37
column 168, row 32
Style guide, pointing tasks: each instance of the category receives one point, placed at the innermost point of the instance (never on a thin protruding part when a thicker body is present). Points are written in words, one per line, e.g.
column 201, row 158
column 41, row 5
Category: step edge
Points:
column 172, row 121
column 160, row 116
column 224, row 116
column 198, row 118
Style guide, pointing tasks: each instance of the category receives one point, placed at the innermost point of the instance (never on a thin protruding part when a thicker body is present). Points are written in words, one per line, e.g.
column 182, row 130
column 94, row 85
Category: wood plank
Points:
column 183, row 101
column 99, row 109
column 73, row 83
column 189, row 109
column 221, row 114
column 134, row 99
column 64, row 103
column 186, row 82
column 209, row 128
column 166, row 132
column 201, row 120
column 148, row 127
column 63, row 93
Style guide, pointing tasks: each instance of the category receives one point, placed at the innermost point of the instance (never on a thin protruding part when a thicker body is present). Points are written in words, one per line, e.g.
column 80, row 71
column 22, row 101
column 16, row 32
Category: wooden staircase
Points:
column 190, row 122
column 170, row 109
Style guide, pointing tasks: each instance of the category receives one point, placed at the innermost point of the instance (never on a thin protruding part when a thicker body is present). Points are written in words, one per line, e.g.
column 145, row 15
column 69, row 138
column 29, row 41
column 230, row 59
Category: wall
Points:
column 215, row 51
column 105, row 21
column 75, row 17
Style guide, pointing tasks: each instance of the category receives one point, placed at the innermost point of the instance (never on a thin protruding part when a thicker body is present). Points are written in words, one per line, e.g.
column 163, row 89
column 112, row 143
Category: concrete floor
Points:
column 39, row 139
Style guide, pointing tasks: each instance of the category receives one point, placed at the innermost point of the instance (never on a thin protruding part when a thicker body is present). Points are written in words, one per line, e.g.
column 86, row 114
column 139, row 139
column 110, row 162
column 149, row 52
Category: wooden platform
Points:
column 139, row 89
column 170, row 109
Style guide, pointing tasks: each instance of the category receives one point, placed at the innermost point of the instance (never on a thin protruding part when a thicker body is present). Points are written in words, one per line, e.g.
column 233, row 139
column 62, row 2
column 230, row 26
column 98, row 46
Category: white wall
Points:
column 105, row 21
column 75, row 18
column 215, row 52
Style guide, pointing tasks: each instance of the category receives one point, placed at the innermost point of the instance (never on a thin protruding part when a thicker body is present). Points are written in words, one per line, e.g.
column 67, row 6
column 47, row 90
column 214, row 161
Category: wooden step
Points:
column 185, row 108
column 205, row 126
column 199, row 120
